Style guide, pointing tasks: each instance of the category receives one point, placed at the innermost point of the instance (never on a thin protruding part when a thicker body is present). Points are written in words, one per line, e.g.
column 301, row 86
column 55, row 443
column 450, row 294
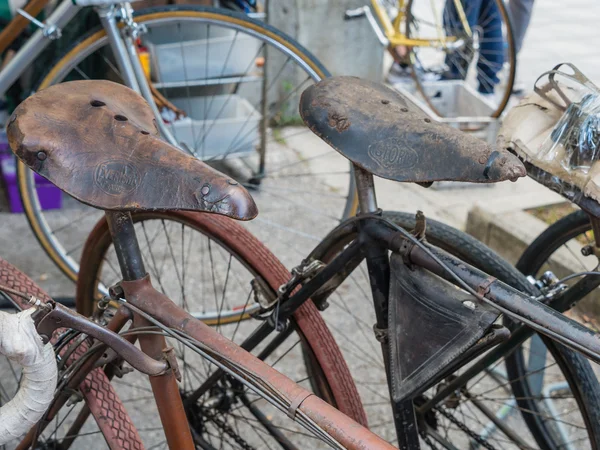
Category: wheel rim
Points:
column 293, row 178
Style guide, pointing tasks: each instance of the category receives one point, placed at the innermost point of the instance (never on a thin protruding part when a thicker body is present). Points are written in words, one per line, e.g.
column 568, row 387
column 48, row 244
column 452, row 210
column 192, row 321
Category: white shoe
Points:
column 399, row 74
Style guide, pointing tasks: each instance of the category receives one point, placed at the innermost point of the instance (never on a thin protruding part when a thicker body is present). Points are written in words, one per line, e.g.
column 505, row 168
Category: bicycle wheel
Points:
column 113, row 425
column 477, row 61
column 240, row 97
column 494, row 401
column 227, row 270
column 558, row 248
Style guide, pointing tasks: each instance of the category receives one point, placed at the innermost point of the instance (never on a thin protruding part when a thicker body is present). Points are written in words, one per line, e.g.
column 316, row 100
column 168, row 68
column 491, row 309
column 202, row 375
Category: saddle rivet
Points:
column 232, row 182
column 41, row 155
column 404, row 109
column 482, row 159
column 205, row 190
column 385, row 102
column 469, row 304
column 427, row 120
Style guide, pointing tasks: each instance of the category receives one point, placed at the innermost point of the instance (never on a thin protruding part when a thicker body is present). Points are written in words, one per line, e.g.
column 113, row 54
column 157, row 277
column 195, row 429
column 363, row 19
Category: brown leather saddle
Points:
column 98, row 142
column 380, row 131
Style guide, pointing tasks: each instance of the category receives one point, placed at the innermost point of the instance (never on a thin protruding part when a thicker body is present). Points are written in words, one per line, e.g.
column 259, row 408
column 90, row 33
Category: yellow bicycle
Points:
column 450, row 48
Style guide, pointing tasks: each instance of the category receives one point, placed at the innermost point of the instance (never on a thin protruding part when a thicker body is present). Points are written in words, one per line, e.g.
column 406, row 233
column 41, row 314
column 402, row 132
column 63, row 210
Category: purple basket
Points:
column 49, row 195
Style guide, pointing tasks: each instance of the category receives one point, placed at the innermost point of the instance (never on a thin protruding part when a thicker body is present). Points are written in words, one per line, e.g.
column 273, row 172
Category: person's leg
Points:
column 520, row 16
column 491, row 46
column 458, row 62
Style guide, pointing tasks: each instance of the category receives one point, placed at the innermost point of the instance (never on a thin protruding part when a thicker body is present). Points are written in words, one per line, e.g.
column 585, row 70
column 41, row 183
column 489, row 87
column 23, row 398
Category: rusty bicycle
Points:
column 89, row 352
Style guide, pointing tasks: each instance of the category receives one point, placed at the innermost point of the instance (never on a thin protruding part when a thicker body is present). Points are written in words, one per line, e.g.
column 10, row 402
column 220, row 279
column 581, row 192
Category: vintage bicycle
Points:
column 56, row 127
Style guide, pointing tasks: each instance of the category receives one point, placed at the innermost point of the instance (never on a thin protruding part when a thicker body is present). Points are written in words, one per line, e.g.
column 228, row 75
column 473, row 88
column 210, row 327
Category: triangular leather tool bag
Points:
column 430, row 327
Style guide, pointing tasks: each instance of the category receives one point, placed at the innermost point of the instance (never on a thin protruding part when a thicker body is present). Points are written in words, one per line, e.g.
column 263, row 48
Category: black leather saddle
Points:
column 98, row 142
column 380, row 131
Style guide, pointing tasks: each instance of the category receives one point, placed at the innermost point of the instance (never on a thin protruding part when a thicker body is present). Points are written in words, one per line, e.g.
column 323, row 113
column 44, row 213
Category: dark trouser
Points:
column 520, row 15
column 485, row 19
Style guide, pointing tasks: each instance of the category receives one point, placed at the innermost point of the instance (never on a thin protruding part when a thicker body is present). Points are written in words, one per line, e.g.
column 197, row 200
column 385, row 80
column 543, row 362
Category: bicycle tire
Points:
column 239, row 242
column 552, row 238
column 88, row 44
column 511, row 60
column 108, row 411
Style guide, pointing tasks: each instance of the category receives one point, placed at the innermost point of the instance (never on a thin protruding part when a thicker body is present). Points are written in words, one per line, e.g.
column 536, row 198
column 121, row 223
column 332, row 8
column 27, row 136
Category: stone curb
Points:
column 510, row 233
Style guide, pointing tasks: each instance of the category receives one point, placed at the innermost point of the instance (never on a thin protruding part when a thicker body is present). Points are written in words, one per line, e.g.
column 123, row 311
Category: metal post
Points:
column 367, row 202
column 126, row 245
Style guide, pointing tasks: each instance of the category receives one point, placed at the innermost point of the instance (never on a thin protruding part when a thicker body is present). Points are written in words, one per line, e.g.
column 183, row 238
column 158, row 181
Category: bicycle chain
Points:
column 228, row 430
column 466, row 429
column 429, row 442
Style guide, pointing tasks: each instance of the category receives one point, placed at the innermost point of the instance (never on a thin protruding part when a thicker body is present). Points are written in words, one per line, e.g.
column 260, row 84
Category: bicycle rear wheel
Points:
column 241, row 98
column 225, row 270
column 558, row 248
column 475, row 66
column 504, row 397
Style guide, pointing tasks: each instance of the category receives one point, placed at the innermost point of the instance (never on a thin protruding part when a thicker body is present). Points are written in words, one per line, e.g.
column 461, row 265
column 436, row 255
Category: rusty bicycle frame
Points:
column 157, row 359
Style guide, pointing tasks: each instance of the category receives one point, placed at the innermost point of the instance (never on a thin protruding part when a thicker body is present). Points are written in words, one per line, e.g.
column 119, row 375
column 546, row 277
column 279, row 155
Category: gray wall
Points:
column 345, row 48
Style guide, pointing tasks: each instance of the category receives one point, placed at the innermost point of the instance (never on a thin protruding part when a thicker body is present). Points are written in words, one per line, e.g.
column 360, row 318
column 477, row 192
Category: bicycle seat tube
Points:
column 378, row 266
column 164, row 387
column 367, row 201
column 126, row 245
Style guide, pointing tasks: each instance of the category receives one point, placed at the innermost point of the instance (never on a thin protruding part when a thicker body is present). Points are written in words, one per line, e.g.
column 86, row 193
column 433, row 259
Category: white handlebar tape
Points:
column 21, row 343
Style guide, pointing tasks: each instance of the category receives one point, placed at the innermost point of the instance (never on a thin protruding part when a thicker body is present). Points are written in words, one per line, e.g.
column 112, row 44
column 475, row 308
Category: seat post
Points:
column 367, row 202
column 126, row 245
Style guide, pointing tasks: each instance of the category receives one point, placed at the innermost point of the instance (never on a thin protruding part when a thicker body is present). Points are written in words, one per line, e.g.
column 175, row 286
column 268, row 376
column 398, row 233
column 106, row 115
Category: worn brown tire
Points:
column 99, row 395
column 238, row 241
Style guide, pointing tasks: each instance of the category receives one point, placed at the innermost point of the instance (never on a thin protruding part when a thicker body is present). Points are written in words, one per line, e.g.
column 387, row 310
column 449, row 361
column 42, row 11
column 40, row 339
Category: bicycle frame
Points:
column 368, row 236
column 144, row 305
column 122, row 42
column 397, row 37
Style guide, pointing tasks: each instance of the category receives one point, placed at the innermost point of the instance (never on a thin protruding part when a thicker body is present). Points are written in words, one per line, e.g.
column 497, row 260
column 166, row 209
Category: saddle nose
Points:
column 503, row 166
